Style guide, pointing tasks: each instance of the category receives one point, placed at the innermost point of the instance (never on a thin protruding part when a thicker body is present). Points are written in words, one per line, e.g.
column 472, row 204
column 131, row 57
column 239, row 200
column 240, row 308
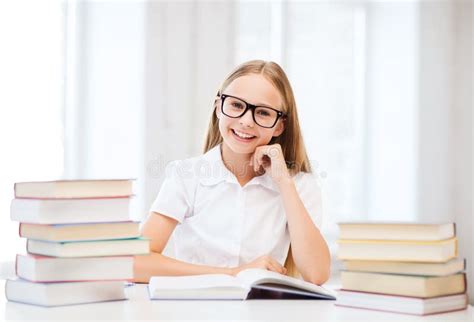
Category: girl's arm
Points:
column 309, row 249
column 158, row 228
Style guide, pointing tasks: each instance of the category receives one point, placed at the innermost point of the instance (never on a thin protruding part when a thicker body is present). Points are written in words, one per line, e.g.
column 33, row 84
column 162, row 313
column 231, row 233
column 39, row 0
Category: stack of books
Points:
column 80, row 241
column 403, row 267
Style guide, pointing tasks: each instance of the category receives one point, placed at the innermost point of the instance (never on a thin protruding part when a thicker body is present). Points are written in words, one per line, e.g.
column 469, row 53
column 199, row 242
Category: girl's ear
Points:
column 217, row 110
column 216, row 105
column 279, row 128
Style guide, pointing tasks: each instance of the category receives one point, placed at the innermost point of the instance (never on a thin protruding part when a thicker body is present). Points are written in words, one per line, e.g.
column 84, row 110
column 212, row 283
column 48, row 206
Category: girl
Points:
column 248, row 197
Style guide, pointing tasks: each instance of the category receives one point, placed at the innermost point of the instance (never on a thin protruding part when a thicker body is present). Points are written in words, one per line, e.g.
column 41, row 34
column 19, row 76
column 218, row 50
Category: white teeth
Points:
column 243, row 135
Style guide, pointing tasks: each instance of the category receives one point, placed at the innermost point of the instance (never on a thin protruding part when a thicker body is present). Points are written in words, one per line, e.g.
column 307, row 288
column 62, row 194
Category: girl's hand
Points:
column 264, row 262
column 270, row 158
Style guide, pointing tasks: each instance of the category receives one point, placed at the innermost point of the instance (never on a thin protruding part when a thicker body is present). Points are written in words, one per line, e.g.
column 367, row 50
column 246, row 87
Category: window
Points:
column 31, row 103
column 322, row 48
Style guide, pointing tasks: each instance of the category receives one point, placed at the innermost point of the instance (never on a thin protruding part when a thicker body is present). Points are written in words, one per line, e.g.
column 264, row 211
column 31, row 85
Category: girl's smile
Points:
column 241, row 136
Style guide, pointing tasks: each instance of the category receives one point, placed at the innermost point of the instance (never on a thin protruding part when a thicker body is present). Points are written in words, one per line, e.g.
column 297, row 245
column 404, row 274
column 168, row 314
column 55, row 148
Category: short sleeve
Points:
column 309, row 190
column 173, row 199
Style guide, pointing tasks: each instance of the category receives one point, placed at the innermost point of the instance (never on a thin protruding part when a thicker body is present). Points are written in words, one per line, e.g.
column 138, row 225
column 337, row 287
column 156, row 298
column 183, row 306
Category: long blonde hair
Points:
column 291, row 140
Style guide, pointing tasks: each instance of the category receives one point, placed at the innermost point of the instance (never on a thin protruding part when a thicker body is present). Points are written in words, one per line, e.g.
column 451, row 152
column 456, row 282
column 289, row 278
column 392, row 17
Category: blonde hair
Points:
column 291, row 140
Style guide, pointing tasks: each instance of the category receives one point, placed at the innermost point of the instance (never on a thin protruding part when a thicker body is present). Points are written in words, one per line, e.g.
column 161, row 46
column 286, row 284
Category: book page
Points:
column 194, row 282
column 255, row 277
column 206, row 287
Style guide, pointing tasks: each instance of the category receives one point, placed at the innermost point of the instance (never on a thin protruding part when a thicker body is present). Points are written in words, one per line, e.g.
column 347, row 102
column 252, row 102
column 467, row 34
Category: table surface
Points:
column 139, row 307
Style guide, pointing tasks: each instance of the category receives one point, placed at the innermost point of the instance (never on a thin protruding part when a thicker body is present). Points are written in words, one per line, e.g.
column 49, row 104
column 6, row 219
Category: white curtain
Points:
column 31, row 101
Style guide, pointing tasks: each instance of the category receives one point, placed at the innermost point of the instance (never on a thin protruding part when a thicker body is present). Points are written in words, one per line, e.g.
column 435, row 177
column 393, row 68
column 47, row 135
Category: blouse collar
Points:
column 212, row 171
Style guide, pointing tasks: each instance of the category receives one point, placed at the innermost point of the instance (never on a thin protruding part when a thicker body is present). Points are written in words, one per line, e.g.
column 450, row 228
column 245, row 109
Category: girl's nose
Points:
column 247, row 119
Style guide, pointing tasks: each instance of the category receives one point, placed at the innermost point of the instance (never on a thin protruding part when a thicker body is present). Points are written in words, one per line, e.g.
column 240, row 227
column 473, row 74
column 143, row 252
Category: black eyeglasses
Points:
column 263, row 116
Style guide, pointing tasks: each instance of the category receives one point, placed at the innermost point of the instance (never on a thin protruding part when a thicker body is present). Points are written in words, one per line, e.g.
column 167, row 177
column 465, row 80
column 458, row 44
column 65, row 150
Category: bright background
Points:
column 114, row 89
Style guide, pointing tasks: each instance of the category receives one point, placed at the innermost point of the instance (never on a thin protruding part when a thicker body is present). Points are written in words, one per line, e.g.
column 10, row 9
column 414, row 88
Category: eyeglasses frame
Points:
column 252, row 107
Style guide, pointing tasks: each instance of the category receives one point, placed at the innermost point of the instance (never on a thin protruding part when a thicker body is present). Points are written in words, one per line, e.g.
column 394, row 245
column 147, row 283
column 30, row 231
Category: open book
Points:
column 249, row 283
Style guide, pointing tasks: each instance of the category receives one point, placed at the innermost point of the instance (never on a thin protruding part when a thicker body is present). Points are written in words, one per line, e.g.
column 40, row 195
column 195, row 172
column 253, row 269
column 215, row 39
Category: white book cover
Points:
column 227, row 287
column 36, row 268
column 390, row 250
column 59, row 294
column 396, row 231
column 450, row 267
column 401, row 304
column 70, row 211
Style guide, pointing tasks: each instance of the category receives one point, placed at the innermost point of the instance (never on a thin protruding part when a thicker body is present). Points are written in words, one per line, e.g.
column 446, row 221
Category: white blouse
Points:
column 222, row 223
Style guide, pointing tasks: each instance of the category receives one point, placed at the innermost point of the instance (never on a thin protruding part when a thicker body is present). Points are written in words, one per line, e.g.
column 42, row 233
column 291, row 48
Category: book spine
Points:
column 81, row 180
column 6, row 289
column 16, row 265
column 396, row 242
column 344, row 290
column 398, row 311
column 465, row 281
column 19, row 230
column 75, row 281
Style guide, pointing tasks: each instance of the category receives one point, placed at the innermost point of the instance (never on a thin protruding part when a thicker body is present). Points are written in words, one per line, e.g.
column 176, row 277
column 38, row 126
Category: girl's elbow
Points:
column 320, row 276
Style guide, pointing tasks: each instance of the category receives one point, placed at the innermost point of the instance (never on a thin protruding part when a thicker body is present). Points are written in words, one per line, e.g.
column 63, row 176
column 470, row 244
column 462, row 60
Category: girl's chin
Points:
column 239, row 147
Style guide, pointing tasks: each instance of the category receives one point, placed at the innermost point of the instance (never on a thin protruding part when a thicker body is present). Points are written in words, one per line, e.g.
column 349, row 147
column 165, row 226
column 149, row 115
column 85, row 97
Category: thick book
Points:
column 37, row 268
column 70, row 211
column 60, row 294
column 404, row 285
column 402, row 304
column 227, row 287
column 396, row 231
column 453, row 266
column 398, row 250
column 75, row 189
column 117, row 247
column 80, row 232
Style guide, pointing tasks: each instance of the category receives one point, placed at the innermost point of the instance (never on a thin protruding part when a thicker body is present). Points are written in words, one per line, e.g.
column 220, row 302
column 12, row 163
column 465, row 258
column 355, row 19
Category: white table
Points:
column 139, row 307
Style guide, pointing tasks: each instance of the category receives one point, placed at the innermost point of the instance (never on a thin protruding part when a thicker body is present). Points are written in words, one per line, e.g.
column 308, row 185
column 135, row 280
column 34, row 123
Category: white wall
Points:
column 461, row 140
column 445, row 120
column 187, row 57
column 436, row 56
column 31, row 97
column 392, row 110
column 143, row 80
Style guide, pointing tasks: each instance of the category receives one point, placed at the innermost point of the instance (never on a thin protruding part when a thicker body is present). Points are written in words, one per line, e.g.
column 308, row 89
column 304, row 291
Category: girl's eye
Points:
column 237, row 105
column 263, row 113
